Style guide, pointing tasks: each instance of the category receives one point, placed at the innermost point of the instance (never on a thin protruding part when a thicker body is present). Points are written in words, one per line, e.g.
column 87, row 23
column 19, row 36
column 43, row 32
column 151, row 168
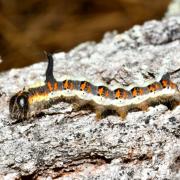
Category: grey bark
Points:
column 73, row 145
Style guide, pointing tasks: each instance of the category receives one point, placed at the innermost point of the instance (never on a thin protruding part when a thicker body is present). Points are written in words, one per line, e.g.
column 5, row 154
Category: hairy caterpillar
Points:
column 101, row 99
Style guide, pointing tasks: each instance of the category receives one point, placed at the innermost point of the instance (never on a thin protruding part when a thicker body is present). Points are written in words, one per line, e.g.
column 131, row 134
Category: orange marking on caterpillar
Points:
column 107, row 93
column 83, row 86
column 37, row 97
column 164, row 83
column 89, row 89
column 118, row 94
column 134, row 92
column 55, row 86
column 141, row 91
column 152, row 88
column 100, row 91
column 49, row 86
column 66, row 84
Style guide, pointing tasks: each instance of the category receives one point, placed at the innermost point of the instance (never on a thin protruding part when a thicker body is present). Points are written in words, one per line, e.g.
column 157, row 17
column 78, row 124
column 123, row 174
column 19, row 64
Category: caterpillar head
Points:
column 19, row 105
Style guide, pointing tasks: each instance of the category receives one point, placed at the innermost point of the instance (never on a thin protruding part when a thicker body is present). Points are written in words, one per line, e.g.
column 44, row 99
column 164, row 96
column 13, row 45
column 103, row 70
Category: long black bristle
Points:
column 177, row 70
column 49, row 71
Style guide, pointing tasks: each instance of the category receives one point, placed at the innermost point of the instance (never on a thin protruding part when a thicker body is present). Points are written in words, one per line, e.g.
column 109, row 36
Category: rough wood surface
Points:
column 73, row 145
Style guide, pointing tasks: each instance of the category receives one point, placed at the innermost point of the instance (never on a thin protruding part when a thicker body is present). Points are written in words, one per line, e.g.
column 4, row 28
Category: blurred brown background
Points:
column 29, row 27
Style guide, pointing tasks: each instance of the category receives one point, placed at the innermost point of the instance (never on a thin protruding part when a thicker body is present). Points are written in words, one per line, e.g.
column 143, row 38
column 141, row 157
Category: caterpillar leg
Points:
column 143, row 106
column 99, row 114
column 122, row 113
column 172, row 104
column 77, row 107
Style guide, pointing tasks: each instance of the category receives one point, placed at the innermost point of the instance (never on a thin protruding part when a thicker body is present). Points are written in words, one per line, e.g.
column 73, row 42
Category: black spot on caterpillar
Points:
column 101, row 99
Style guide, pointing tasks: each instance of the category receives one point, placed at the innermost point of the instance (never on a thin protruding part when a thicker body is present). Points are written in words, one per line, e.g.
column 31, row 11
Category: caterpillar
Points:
column 101, row 99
